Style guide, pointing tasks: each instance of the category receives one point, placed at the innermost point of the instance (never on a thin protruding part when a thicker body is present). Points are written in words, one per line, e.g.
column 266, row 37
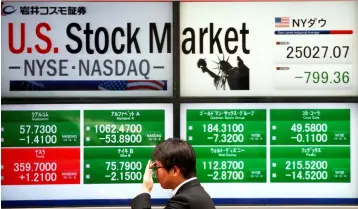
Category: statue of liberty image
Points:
column 238, row 78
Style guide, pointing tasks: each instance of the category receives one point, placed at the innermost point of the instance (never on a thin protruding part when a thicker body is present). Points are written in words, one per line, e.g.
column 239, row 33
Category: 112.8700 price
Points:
column 317, row 52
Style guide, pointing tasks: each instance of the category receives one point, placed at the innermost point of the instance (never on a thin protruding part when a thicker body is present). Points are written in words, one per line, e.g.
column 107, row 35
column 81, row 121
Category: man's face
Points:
column 163, row 176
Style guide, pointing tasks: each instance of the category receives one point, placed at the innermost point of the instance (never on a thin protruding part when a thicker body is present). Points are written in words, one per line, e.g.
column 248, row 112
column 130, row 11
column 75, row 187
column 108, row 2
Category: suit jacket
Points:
column 190, row 195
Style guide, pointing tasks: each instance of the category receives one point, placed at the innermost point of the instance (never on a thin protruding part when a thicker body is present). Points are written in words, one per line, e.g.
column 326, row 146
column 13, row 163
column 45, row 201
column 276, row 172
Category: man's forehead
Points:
column 158, row 162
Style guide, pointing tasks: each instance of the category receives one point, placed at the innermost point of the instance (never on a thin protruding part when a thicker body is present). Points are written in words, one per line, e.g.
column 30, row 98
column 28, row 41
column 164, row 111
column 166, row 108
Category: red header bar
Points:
column 173, row 0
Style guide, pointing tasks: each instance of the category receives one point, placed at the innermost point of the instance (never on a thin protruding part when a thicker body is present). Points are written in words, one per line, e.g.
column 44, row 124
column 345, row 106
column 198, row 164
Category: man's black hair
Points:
column 176, row 152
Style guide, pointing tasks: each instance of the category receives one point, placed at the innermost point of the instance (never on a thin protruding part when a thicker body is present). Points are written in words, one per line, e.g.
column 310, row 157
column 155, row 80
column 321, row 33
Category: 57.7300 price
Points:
column 38, row 129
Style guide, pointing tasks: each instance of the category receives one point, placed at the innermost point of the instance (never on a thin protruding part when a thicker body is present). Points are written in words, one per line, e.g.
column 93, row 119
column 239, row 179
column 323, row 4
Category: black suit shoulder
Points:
column 191, row 195
column 194, row 195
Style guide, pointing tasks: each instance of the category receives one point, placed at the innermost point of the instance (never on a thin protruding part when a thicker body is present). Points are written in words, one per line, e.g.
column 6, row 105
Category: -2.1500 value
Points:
column 317, row 52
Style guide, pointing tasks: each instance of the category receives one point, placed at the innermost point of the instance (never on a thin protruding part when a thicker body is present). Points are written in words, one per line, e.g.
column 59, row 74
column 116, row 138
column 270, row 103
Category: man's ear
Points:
column 176, row 171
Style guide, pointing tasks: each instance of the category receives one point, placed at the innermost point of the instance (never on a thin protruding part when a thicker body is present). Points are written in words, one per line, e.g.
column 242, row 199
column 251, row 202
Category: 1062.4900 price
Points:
column 324, row 77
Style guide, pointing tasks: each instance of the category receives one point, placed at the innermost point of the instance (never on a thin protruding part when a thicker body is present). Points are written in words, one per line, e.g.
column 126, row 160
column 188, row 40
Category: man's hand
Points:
column 148, row 178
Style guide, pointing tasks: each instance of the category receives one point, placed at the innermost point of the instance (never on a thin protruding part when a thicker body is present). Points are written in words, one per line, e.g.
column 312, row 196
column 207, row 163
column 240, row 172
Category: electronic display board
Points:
column 269, row 48
column 86, row 49
column 79, row 151
column 264, row 150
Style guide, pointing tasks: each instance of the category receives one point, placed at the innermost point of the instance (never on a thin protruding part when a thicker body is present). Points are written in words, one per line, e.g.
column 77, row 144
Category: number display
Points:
column 223, row 165
column 123, row 166
column 310, row 175
column 36, row 166
column 52, row 128
column 126, row 176
column 335, row 77
column 123, row 138
column 230, row 127
column 229, row 138
column 123, row 128
column 223, row 128
column 309, row 127
column 41, row 166
column 40, row 177
column 41, row 139
column 306, row 165
column 228, row 175
column 38, row 129
column 317, row 52
column 117, row 164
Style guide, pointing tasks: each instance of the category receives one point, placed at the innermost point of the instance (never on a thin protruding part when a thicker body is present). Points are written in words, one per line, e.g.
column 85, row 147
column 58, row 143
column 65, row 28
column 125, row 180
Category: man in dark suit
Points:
column 175, row 168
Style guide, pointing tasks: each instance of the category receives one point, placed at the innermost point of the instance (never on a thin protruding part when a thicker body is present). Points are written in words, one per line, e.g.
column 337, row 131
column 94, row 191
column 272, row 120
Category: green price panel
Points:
column 115, row 165
column 221, row 164
column 310, row 127
column 226, row 127
column 123, row 127
column 43, row 128
column 310, row 164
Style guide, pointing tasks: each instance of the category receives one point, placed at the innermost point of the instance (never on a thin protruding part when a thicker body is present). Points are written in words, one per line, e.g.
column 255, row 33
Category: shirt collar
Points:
column 178, row 187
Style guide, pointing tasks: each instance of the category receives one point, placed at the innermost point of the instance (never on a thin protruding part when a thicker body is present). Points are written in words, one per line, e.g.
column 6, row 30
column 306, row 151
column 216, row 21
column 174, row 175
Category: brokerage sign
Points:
column 269, row 48
column 82, row 49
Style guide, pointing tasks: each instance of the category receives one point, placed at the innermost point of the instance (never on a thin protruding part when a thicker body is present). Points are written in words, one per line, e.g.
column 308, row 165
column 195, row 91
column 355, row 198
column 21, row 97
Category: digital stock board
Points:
column 265, row 150
column 73, row 151
column 283, row 48
column 87, row 66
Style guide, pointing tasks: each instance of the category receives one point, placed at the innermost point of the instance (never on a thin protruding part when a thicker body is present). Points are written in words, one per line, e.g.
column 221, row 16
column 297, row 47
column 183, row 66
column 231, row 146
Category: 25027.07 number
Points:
column 317, row 52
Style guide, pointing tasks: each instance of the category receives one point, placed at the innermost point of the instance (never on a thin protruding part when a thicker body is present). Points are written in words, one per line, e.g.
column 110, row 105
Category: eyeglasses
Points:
column 155, row 167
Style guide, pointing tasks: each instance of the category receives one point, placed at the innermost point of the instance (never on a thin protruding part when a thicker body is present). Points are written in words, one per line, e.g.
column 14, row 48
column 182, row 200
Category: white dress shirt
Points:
column 177, row 188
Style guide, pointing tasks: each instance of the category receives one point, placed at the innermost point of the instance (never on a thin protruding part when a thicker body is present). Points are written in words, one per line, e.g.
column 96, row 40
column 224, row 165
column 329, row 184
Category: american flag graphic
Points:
column 282, row 22
column 89, row 85
column 133, row 85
